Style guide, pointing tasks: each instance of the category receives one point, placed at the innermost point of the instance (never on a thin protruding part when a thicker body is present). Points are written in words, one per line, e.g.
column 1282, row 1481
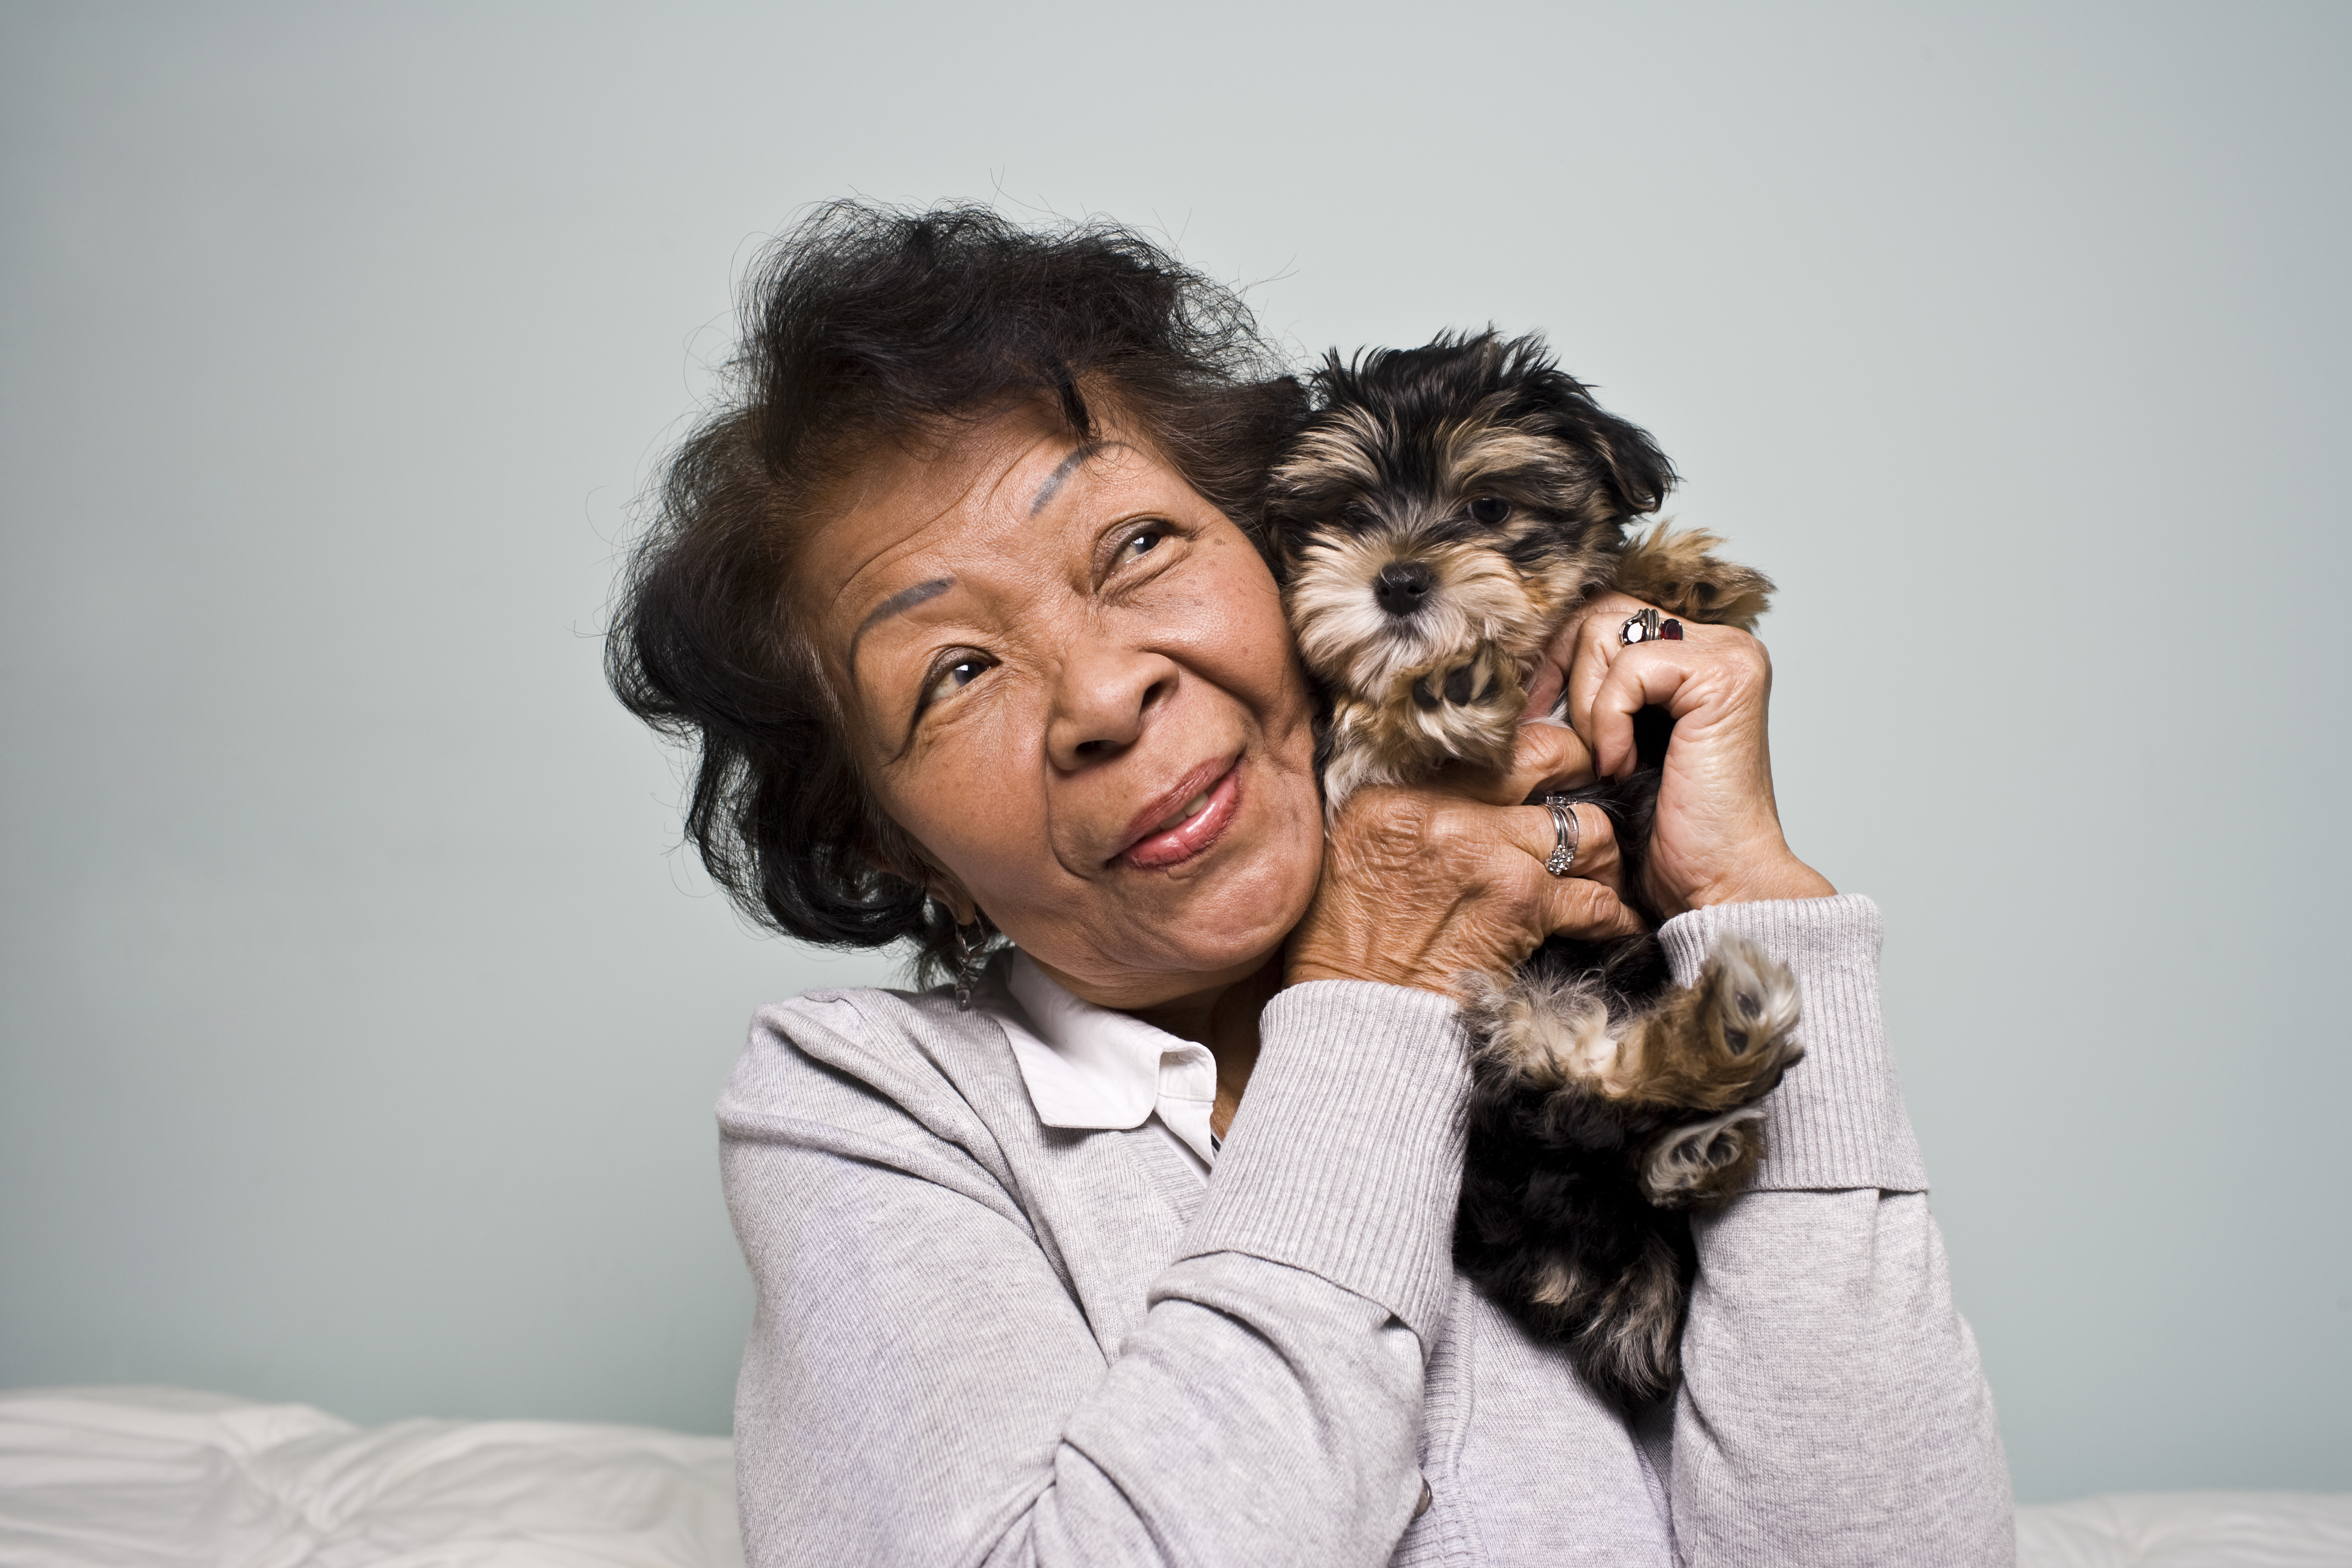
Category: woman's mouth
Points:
column 1196, row 821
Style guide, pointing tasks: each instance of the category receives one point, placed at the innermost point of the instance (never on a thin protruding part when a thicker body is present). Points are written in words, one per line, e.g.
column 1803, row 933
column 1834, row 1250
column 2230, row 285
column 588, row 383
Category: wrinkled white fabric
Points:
column 2189, row 1530
column 1089, row 1068
column 161, row 1478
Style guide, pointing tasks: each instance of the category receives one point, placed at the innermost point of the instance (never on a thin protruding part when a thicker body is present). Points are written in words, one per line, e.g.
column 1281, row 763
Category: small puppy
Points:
column 1440, row 515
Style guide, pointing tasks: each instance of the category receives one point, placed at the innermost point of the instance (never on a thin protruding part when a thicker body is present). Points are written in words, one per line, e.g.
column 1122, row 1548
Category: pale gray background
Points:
column 358, row 1027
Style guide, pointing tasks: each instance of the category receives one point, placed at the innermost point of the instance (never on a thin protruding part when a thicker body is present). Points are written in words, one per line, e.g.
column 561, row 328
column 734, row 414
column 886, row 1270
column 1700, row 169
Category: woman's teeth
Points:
column 1189, row 810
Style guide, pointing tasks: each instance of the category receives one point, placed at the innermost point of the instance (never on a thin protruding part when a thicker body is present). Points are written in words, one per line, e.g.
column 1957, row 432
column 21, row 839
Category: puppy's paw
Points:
column 1464, row 706
column 1704, row 1160
column 1751, row 1007
column 1720, row 1046
column 1542, row 1033
column 1725, row 1042
column 1678, row 570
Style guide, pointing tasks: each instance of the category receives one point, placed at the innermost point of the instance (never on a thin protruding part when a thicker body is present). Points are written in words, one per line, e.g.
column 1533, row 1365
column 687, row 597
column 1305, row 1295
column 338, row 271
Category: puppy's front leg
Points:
column 1537, row 1032
column 1678, row 570
column 1715, row 1049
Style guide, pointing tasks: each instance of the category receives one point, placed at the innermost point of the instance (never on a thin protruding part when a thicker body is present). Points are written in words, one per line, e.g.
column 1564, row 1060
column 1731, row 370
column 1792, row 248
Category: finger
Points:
column 1529, row 829
column 1576, row 902
column 1590, row 843
column 1595, row 648
column 1544, row 689
column 1597, row 857
column 1649, row 677
column 1580, row 907
column 1545, row 758
column 1547, row 681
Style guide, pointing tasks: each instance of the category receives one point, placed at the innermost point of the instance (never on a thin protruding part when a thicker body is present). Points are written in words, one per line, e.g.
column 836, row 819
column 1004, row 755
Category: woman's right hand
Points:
column 1426, row 883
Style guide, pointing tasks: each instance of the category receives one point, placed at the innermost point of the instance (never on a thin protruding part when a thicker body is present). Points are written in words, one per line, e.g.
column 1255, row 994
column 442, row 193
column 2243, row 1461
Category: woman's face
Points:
column 1068, row 677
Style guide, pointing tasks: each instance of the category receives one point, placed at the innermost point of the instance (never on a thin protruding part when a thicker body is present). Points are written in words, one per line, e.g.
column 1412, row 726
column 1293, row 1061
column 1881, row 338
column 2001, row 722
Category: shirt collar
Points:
column 1087, row 1066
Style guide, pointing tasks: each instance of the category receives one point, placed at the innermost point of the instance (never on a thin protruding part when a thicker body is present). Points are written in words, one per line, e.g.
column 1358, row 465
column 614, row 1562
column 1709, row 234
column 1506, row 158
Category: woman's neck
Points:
column 1224, row 1019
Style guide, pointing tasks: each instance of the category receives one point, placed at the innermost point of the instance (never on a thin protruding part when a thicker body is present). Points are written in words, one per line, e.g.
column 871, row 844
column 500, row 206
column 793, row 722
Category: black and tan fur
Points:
column 1442, row 513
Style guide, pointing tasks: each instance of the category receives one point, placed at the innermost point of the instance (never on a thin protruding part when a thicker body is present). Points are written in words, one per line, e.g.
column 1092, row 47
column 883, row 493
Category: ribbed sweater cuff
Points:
column 1837, row 1119
column 1345, row 1159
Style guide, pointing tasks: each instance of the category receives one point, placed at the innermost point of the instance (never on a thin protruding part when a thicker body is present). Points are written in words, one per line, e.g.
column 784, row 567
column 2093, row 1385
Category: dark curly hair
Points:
column 864, row 325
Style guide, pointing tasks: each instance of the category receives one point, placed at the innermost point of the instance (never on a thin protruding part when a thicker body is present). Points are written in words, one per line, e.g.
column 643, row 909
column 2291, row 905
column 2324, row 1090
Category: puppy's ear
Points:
column 1637, row 474
column 1633, row 475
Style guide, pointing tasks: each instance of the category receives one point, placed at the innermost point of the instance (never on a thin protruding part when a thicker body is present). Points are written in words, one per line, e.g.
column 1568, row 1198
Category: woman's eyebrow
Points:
column 904, row 599
column 1062, row 471
column 1068, row 466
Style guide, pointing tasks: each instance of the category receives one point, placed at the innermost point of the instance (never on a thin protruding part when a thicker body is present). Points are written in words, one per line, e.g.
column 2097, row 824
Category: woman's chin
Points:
column 1130, row 956
column 1232, row 932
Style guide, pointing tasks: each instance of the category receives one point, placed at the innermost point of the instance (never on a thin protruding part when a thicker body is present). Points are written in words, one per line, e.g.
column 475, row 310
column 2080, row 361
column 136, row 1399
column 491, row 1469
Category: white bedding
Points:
column 159, row 1478
column 2189, row 1530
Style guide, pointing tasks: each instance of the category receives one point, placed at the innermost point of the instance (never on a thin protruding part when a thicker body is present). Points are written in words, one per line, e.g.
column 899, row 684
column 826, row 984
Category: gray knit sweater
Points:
column 982, row 1340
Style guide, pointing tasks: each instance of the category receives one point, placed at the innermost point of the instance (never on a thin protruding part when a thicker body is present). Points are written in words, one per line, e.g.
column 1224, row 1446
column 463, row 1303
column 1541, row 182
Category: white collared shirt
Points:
column 1087, row 1066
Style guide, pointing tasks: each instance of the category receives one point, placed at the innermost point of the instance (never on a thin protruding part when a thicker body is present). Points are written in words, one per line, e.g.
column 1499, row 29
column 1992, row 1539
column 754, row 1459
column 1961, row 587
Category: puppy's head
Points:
column 1437, row 519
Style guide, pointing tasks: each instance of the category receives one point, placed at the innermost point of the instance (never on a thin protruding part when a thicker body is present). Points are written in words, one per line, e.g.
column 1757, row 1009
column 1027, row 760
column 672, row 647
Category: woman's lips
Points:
column 1191, row 825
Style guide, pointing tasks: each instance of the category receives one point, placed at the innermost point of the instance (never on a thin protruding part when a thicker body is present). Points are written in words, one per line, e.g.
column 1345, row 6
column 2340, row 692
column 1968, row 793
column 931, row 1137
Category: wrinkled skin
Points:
column 1068, row 677
column 1717, row 839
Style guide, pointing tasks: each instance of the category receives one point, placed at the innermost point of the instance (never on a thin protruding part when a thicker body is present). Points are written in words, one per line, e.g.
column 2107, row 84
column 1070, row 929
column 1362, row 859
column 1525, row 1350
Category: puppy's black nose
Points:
column 1403, row 586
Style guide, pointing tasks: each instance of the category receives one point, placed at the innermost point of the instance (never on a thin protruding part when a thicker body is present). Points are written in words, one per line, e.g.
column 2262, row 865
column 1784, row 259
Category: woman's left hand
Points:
column 1717, row 839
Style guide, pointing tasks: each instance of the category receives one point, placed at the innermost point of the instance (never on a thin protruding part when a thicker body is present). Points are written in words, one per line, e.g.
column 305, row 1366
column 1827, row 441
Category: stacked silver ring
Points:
column 1566, row 832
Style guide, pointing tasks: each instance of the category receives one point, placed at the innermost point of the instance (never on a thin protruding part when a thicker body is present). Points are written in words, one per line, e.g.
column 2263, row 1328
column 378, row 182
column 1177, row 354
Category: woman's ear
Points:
column 950, row 895
column 890, row 851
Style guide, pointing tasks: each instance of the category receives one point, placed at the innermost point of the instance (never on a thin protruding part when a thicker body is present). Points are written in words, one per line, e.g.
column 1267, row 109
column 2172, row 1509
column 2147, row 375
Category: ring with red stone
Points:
column 1649, row 626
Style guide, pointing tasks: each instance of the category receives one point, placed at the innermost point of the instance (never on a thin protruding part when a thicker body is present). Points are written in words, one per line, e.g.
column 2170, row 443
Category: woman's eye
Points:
column 1139, row 545
column 1488, row 511
column 953, row 677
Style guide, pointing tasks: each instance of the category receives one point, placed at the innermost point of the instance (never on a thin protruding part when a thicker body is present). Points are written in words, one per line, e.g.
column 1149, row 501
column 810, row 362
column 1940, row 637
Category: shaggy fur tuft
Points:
column 1439, row 518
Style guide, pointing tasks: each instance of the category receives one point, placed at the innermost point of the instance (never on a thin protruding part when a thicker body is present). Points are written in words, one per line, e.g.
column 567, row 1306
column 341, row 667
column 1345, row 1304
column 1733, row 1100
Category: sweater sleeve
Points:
column 1834, row 1410
column 920, row 1387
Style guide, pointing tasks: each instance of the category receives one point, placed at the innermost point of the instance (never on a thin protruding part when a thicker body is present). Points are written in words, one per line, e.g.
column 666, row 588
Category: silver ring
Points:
column 1566, row 834
column 1650, row 626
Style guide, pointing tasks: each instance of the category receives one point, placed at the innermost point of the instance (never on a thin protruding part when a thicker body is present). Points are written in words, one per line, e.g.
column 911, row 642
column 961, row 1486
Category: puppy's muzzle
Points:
column 1403, row 586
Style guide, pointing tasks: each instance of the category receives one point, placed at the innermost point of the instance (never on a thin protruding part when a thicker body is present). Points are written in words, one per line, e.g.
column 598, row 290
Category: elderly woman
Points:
column 1134, row 1245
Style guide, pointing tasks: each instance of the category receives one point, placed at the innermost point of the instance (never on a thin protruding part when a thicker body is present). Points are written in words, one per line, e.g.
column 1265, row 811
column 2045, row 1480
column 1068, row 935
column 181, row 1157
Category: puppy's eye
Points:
column 1488, row 511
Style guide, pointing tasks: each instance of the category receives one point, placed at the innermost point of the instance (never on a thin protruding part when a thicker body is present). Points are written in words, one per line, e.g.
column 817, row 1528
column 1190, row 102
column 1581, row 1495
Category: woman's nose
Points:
column 1102, row 701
